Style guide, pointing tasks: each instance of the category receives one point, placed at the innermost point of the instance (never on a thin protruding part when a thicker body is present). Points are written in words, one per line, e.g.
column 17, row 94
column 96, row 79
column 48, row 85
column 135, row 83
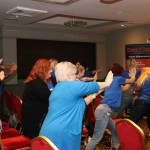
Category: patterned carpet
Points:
column 105, row 143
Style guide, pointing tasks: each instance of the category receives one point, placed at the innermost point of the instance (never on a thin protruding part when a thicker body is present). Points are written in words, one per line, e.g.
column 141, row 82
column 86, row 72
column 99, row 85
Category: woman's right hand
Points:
column 109, row 78
column 2, row 75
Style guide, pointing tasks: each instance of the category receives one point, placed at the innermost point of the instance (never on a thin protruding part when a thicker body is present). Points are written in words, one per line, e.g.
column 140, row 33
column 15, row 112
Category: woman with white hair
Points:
column 63, row 123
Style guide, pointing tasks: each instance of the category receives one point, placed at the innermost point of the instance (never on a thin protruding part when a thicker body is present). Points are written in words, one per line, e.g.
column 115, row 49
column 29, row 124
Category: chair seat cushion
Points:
column 16, row 142
column 5, row 125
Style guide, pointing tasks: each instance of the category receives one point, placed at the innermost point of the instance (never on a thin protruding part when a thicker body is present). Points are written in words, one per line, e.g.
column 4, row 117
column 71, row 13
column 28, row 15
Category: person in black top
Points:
column 35, row 98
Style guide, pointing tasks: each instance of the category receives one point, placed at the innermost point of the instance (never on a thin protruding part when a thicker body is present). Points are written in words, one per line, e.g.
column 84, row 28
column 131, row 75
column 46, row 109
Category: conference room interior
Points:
column 25, row 43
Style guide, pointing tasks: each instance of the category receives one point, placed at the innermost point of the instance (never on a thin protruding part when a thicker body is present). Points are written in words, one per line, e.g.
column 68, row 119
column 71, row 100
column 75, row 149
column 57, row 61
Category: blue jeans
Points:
column 103, row 120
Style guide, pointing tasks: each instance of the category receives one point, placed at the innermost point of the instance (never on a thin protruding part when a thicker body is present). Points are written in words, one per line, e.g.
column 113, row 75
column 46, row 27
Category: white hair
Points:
column 63, row 69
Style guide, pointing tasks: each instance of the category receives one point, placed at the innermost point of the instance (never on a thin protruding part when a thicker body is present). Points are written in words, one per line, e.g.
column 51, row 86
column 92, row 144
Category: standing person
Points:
column 63, row 123
column 51, row 82
column 35, row 98
column 127, row 95
column 80, row 74
column 54, row 62
column 142, row 103
column 9, row 70
column 109, row 104
column 88, row 72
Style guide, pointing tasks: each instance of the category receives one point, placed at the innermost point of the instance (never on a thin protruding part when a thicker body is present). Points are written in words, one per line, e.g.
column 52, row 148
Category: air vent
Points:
column 26, row 12
column 60, row 2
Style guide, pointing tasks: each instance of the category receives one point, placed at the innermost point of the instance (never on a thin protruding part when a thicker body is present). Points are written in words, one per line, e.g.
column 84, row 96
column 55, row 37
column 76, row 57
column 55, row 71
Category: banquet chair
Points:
column 42, row 143
column 17, row 104
column 6, row 130
column 11, row 140
column 130, row 135
column 89, row 114
column 7, row 106
column 8, row 101
column 15, row 143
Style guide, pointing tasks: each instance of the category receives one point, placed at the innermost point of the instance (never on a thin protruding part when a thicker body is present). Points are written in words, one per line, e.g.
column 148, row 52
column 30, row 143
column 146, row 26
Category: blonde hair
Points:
column 63, row 69
column 131, row 63
column 54, row 62
column 80, row 68
column 144, row 74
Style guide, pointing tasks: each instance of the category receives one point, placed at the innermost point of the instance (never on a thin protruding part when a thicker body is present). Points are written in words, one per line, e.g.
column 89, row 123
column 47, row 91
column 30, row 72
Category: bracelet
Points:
column 133, row 77
column 93, row 96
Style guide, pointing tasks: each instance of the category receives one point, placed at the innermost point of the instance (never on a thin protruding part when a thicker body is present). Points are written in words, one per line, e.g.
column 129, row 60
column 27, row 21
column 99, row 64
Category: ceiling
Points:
column 100, row 17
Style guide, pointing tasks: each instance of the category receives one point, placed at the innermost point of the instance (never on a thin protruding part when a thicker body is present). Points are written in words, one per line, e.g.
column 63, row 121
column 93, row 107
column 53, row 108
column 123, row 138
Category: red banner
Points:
column 140, row 52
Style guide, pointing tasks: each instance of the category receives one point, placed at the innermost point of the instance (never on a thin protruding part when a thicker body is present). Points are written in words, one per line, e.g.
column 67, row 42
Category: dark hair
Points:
column 117, row 69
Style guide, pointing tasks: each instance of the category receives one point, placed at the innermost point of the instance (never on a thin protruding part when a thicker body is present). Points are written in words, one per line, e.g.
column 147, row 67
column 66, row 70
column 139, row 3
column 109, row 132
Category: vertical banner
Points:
column 140, row 52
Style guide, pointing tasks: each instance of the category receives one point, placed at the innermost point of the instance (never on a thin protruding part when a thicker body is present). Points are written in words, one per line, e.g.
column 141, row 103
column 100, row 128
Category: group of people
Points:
column 56, row 95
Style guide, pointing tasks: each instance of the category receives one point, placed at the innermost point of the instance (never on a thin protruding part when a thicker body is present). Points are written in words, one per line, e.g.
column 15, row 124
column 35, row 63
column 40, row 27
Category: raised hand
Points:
column 109, row 78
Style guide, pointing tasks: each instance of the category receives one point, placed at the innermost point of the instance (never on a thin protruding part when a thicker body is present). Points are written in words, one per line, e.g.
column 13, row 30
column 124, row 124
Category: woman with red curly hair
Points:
column 35, row 98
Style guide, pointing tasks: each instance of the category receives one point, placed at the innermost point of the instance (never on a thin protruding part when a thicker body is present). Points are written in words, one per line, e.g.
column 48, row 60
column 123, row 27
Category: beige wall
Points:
column 116, row 41
column 109, row 49
column 9, row 34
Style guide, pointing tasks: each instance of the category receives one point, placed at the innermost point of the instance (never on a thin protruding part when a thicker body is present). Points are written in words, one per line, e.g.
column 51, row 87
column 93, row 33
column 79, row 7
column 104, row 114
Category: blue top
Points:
column 53, row 74
column 126, row 75
column 50, row 86
column 63, row 122
column 144, row 93
column 113, row 93
column 1, row 88
column 87, row 73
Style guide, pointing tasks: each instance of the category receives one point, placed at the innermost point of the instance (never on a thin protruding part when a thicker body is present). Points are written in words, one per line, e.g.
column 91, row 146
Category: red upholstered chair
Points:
column 130, row 135
column 89, row 114
column 17, row 103
column 84, row 139
column 9, row 132
column 8, row 101
column 5, row 125
column 42, row 143
column 14, row 143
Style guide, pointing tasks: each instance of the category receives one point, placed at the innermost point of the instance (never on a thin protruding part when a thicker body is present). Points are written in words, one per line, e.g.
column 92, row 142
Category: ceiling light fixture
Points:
column 78, row 23
column 109, row 1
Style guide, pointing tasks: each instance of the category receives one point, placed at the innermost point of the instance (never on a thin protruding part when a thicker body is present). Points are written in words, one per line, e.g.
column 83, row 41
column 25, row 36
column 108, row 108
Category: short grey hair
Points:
column 63, row 69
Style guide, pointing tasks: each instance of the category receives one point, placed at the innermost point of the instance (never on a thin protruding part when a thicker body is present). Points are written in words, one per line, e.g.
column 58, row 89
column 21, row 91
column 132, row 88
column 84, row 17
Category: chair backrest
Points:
column 130, row 135
column 8, row 101
column 42, row 143
column 16, row 102
column 89, row 114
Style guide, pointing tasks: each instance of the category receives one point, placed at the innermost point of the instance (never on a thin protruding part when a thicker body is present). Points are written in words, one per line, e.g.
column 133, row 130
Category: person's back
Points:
column 35, row 98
